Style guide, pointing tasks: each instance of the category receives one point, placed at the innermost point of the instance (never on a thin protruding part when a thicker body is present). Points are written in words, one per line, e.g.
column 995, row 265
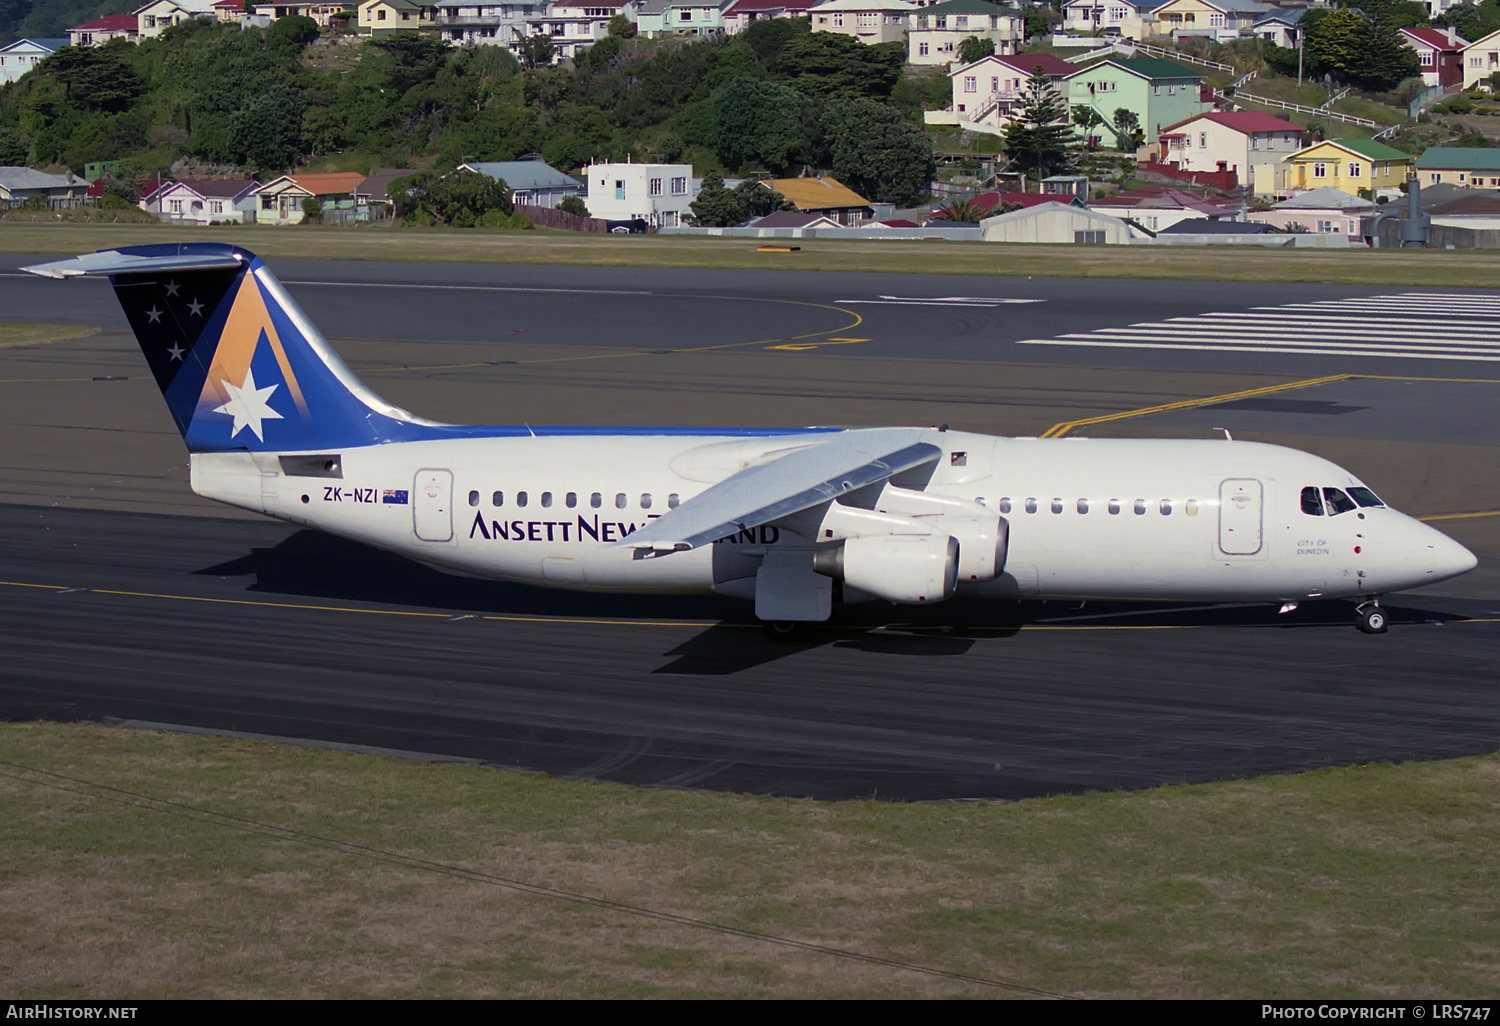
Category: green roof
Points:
column 1460, row 158
column 1372, row 149
column 967, row 7
column 1153, row 68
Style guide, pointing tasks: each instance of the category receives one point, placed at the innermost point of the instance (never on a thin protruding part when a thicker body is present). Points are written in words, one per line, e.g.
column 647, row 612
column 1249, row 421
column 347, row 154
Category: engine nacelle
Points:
column 982, row 544
column 906, row 569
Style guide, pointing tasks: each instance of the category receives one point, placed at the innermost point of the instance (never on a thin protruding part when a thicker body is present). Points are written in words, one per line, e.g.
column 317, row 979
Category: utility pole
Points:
column 1299, row 55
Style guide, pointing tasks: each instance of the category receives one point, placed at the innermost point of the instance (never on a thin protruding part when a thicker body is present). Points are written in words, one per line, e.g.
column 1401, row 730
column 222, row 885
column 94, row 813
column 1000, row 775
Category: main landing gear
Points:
column 1371, row 618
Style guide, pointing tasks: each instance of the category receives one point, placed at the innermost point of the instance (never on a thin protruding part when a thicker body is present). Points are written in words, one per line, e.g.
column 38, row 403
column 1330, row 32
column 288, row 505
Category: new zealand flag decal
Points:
column 392, row 497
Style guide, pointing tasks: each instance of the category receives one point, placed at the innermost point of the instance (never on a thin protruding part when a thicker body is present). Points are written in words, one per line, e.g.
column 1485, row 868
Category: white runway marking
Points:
column 972, row 301
column 1405, row 326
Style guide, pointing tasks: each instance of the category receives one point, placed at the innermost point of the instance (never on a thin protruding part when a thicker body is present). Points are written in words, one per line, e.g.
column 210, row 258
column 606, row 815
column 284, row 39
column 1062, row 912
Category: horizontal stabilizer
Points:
column 112, row 261
column 800, row 480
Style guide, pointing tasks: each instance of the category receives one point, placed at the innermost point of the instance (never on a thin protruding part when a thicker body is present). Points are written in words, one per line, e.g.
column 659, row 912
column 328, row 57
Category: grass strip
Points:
column 14, row 336
column 1358, row 266
column 180, row 865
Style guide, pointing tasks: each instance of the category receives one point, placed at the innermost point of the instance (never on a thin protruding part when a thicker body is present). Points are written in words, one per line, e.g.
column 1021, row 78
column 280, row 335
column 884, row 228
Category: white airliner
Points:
column 793, row 520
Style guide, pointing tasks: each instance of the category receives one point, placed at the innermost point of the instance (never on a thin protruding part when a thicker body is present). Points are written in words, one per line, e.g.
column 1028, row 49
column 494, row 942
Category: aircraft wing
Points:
column 797, row 481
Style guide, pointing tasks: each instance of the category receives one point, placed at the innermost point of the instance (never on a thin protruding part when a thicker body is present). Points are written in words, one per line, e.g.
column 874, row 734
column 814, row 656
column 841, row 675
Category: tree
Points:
column 760, row 124
column 960, row 212
column 875, row 151
column 536, row 51
column 716, row 206
column 312, row 210
column 574, row 205
column 759, row 199
column 292, row 33
column 460, row 199
column 621, row 27
column 975, row 48
column 826, row 64
column 1087, row 118
column 1039, row 140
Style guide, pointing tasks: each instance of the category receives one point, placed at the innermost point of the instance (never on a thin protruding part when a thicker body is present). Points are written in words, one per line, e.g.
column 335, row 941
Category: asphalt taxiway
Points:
column 127, row 598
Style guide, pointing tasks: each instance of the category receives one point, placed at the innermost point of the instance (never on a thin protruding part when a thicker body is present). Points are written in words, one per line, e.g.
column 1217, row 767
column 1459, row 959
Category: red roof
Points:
column 1030, row 62
column 745, row 6
column 987, row 201
column 1435, row 38
column 110, row 23
column 1246, row 121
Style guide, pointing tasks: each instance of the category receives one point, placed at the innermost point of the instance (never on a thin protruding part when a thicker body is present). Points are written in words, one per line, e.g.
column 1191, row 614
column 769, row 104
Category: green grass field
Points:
column 152, row 865
column 1456, row 268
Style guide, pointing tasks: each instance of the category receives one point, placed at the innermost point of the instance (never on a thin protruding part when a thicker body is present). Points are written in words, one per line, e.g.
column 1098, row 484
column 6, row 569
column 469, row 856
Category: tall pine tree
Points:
column 1039, row 140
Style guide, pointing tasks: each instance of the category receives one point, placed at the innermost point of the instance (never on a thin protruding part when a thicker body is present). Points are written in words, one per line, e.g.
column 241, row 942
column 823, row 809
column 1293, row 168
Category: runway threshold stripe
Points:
column 1259, row 349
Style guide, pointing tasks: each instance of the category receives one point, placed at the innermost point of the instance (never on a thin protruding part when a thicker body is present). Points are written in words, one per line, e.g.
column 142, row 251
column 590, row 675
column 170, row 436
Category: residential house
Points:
column 933, row 33
column 1057, row 223
column 377, row 189
column 741, row 13
column 340, row 193
column 1348, row 165
column 869, row 21
column 203, row 201
column 160, row 15
column 656, row 18
column 1211, row 226
column 1459, row 165
column 1325, row 211
column 17, row 58
column 1126, row 19
column 575, row 25
column 827, row 196
column 320, row 11
column 1160, row 206
column 1220, row 20
column 24, row 184
column 1279, row 26
column 488, row 24
column 1229, row 140
column 658, row 194
column 102, row 30
column 988, row 92
column 385, row 17
column 1440, row 53
column 1481, row 60
column 533, row 183
column 1158, row 92
column 796, row 219
column 229, row 12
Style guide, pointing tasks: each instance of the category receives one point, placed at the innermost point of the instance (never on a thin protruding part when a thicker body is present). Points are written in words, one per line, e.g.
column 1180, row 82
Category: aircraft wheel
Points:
column 1372, row 620
column 781, row 630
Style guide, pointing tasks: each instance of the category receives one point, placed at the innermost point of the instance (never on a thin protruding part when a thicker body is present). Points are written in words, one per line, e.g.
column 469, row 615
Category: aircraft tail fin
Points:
column 239, row 364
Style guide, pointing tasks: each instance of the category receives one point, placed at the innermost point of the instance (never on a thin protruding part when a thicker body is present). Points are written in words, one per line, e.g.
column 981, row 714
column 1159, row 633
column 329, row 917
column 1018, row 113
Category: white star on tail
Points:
column 248, row 405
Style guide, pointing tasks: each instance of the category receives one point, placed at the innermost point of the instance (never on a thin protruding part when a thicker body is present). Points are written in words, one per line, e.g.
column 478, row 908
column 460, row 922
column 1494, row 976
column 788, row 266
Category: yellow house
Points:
column 382, row 17
column 1347, row 165
column 1217, row 19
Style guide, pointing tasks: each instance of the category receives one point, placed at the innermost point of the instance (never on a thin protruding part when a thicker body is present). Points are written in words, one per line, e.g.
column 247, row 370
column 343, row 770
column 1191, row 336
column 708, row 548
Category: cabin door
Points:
column 1240, row 502
column 432, row 505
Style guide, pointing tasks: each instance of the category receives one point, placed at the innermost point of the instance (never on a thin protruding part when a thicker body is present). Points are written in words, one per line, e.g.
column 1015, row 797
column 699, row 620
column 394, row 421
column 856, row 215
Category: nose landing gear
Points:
column 1371, row 618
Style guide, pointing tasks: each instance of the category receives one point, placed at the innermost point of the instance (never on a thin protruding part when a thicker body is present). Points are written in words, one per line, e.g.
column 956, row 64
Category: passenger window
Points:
column 474, row 498
column 645, row 500
column 571, row 500
column 1031, row 505
column 1114, row 507
column 1140, row 507
column 1057, row 505
column 1338, row 502
column 520, row 498
column 1166, row 507
column 546, row 499
column 596, row 500
column 1191, row 509
column 498, row 499
column 1364, row 496
column 620, row 500
column 1005, row 504
column 1311, row 504
column 1083, row 505
column 673, row 501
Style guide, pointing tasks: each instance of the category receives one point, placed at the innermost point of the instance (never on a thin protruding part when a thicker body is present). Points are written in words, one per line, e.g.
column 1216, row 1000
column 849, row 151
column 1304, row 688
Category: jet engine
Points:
column 905, row 569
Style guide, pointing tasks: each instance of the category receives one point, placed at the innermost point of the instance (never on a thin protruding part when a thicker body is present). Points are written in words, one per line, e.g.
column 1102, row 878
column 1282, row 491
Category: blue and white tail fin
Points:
column 239, row 364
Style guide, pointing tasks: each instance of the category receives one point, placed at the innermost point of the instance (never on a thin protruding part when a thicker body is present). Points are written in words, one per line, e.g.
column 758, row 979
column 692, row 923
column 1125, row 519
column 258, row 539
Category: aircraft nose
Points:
column 1449, row 558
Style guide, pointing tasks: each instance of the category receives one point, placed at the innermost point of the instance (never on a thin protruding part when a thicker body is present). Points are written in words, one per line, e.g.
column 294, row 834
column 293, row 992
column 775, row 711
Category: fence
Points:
column 1319, row 112
column 549, row 217
column 1174, row 55
column 1225, row 180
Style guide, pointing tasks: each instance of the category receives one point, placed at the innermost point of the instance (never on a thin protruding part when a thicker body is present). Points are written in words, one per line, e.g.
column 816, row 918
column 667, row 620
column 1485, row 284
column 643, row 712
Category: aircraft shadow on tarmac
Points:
column 310, row 564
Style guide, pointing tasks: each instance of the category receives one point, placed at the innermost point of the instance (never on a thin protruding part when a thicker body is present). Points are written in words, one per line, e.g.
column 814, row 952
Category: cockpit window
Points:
column 1311, row 504
column 1364, row 496
column 1338, row 502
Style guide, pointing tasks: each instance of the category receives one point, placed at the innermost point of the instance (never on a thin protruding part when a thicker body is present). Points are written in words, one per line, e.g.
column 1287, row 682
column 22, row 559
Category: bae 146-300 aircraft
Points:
column 792, row 520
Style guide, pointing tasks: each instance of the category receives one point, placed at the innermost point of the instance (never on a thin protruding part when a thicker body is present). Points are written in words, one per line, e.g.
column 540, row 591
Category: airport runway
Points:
column 128, row 598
